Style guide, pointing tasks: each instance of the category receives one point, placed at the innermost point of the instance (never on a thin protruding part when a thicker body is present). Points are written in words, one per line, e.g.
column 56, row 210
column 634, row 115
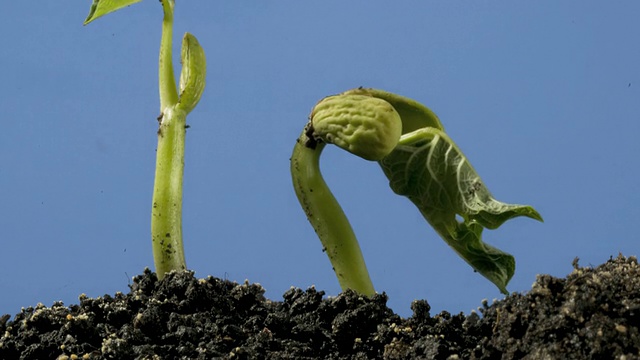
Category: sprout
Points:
column 423, row 164
column 166, row 213
column 365, row 126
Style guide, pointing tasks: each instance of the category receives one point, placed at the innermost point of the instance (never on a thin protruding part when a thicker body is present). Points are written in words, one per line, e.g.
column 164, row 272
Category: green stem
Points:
column 167, row 81
column 327, row 218
column 166, row 214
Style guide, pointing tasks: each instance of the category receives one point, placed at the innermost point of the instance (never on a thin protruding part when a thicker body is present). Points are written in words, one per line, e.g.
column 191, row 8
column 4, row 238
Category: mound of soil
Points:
column 593, row 313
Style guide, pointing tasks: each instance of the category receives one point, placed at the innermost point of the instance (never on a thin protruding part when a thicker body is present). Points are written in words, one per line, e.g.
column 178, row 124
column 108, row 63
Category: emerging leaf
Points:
column 414, row 115
column 429, row 169
column 103, row 7
column 193, row 74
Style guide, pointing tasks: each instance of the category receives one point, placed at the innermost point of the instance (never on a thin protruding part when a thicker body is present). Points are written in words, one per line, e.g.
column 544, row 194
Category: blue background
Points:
column 543, row 98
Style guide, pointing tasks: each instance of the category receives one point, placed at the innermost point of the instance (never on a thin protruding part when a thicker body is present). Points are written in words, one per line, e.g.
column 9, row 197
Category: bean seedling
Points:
column 421, row 162
column 166, row 213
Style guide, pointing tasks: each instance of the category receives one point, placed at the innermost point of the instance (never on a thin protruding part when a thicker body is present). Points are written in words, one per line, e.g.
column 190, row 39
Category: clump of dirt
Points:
column 593, row 313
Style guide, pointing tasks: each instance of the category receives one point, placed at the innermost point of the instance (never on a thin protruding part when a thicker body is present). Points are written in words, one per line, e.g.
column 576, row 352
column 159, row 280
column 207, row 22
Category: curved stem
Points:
column 327, row 218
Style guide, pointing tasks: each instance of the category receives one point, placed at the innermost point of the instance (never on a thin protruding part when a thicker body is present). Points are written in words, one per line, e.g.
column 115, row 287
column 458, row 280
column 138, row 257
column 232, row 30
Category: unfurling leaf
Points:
column 193, row 74
column 413, row 114
column 429, row 169
column 103, row 7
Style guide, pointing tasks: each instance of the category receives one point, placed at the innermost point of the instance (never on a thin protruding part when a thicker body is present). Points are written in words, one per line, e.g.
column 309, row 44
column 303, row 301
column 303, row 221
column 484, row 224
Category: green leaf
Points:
column 429, row 169
column 103, row 7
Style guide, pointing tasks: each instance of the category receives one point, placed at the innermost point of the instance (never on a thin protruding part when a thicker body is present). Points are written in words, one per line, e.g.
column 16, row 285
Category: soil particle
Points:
column 593, row 313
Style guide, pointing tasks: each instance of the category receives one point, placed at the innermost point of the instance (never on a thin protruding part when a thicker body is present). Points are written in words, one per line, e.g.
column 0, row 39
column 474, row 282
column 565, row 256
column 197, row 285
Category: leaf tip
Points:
column 92, row 11
column 536, row 215
column 99, row 9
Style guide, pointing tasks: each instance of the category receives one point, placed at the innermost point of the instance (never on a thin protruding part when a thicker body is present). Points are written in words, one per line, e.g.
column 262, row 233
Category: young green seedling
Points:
column 422, row 163
column 365, row 126
column 166, row 213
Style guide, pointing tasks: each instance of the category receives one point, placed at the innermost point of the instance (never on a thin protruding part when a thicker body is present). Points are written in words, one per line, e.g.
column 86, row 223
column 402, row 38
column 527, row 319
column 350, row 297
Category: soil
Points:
column 593, row 313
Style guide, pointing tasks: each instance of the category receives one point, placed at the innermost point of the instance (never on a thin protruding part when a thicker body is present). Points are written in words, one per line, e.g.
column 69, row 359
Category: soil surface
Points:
column 593, row 313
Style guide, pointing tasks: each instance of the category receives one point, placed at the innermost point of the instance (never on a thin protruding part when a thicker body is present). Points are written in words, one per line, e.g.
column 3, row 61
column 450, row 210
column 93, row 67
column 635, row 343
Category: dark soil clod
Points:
column 593, row 313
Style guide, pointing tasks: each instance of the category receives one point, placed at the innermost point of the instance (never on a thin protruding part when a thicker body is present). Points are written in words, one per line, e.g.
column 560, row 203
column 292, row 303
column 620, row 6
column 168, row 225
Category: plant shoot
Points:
column 421, row 162
column 175, row 105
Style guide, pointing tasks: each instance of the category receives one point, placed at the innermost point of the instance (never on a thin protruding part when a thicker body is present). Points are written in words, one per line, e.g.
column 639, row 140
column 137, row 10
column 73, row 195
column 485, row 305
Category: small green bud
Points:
column 363, row 125
column 192, row 76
